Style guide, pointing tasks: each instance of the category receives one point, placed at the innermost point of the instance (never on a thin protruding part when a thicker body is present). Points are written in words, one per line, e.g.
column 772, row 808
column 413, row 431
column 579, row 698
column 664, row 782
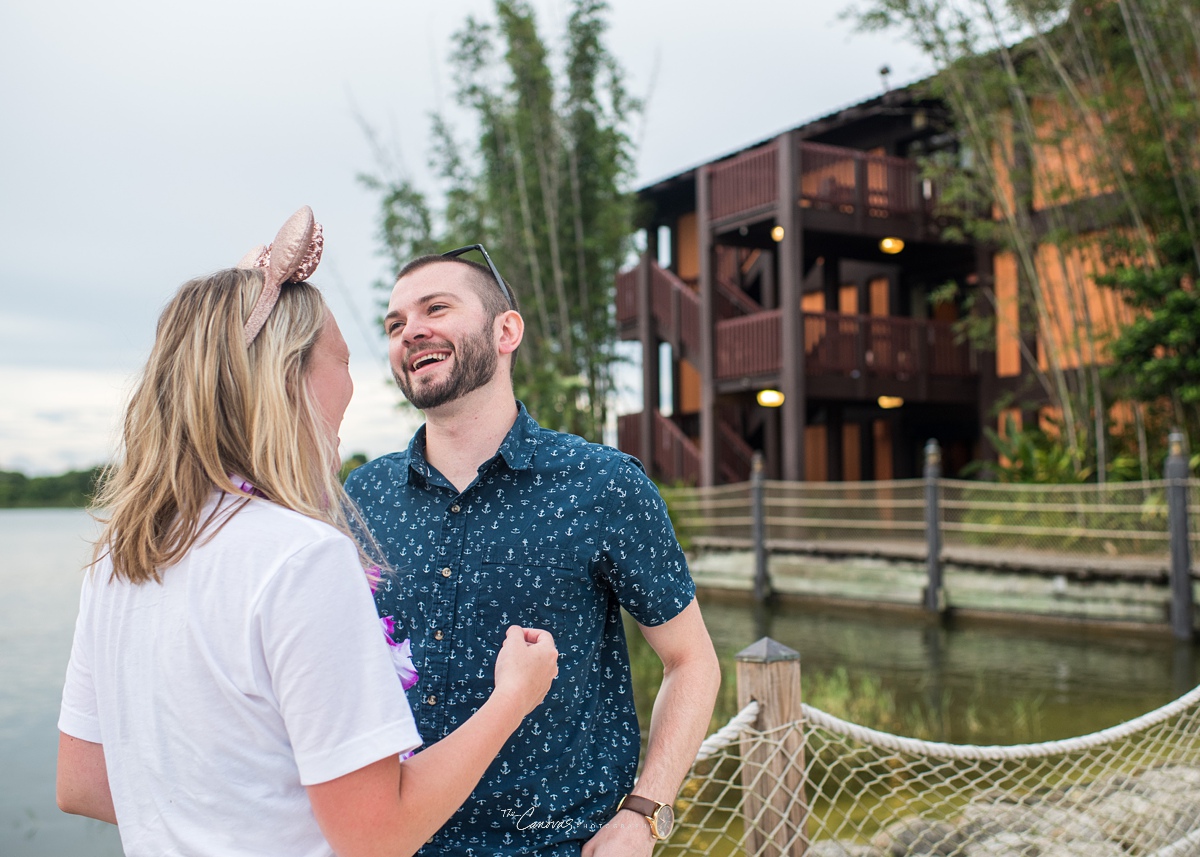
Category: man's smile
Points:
column 426, row 359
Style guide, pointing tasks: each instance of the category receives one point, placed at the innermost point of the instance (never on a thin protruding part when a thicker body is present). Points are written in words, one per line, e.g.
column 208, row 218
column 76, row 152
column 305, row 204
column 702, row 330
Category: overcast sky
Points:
column 145, row 142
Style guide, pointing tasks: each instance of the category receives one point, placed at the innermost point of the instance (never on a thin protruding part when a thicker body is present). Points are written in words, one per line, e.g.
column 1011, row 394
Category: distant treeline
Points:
column 77, row 487
column 74, row 488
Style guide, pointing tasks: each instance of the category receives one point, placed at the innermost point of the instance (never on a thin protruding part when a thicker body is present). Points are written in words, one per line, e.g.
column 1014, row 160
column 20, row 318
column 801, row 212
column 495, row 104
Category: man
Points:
column 491, row 520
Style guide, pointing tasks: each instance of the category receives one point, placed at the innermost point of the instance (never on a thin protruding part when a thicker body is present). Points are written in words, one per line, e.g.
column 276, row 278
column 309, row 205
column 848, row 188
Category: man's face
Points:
column 441, row 344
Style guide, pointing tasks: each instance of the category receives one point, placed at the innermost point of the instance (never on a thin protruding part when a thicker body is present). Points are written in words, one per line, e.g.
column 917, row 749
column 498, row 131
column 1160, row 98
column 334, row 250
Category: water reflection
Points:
column 975, row 683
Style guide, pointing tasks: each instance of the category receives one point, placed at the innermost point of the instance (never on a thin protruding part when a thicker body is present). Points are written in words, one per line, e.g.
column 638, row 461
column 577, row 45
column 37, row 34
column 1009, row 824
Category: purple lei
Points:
column 402, row 651
column 401, row 654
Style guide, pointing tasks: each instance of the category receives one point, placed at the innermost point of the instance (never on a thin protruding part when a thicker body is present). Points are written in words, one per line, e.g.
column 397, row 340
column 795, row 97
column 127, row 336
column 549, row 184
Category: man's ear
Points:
column 511, row 329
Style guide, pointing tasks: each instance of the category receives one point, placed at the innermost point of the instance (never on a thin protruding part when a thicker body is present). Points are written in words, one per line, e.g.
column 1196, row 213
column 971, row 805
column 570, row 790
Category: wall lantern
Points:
column 891, row 246
column 777, row 234
column 889, row 402
column 770, row 398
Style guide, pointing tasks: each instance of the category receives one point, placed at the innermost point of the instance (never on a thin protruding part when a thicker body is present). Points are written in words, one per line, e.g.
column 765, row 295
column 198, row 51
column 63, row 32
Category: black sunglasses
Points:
column 508, row 295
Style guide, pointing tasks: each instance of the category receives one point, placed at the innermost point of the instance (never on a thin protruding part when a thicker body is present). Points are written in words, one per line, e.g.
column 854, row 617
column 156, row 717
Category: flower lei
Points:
column 402, row 651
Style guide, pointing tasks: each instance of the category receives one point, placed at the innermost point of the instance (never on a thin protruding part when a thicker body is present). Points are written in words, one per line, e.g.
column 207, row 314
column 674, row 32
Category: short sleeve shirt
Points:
column 556, row 533
column 256, row 667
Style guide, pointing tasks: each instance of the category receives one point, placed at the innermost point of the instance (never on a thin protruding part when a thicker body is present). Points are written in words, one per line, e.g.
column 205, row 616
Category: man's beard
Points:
column 474, row 365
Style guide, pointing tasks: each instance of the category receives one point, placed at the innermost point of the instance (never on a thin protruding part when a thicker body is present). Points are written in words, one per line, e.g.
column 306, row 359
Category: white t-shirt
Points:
column 257, row 667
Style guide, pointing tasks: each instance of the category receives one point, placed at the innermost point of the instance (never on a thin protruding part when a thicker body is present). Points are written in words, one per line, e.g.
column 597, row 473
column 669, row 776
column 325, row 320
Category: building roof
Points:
column 908, row 96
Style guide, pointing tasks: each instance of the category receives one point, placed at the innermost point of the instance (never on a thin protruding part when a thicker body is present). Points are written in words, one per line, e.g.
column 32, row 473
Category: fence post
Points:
column 762, row 581
column 934, row 600
column 774, row 802
column 1176, row 472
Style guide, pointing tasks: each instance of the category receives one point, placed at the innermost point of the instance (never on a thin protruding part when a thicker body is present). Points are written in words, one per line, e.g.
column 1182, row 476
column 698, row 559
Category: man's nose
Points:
column 415, row 330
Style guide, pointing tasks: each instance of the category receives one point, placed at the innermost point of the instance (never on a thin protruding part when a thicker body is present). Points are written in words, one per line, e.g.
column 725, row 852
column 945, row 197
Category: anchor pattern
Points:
column 556, row 533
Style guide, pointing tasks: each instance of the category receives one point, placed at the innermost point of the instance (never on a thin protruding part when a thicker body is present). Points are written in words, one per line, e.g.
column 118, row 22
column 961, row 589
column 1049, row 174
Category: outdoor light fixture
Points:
column 889, row 402
column 891, row 246
column 777, row 234
column 769, row 398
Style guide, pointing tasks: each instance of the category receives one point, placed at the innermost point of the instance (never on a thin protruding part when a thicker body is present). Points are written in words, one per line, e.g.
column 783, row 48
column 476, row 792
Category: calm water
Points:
column 41, row 553
column 978, row 685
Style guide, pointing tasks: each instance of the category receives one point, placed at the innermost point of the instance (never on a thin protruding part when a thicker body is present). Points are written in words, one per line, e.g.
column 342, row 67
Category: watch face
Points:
column 664, row 821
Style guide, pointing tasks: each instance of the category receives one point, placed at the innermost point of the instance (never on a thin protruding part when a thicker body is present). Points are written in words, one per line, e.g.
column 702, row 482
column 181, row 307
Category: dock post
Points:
column 1177, row 475
column 762, row 580
column 774, row 804
column 934, row 600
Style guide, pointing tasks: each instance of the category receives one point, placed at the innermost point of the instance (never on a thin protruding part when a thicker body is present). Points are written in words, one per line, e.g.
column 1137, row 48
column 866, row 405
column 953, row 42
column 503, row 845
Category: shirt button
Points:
column 446, row 572
column 437, row 635
column 431, row 699
column 456, row 508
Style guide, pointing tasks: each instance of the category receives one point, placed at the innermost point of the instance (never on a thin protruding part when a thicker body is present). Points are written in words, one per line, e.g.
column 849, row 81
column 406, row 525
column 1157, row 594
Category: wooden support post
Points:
column 1177, row 474
column 793, row 413
column 862, row 194
column 708, row 333
column 774, row 802
column 649, row 339
column 934, row 600
column 762, row 580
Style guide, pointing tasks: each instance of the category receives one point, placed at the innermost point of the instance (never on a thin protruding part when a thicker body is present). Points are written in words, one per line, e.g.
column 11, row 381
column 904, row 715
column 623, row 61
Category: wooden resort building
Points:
column 783, row 304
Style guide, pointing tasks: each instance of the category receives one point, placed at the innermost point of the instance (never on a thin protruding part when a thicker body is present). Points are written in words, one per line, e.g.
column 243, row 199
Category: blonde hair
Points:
column 206, row 408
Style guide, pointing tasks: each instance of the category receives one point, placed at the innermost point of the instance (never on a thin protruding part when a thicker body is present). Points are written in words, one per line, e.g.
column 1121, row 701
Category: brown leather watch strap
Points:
column 641, row 805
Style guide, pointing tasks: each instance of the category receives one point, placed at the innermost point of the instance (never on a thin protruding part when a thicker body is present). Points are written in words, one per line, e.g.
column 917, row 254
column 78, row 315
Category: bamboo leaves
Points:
column 543, row 183
column 1084, row 118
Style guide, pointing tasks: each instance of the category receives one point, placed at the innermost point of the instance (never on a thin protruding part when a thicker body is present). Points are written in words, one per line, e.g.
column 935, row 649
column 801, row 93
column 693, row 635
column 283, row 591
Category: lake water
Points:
column 41, row 554
column 969, row 685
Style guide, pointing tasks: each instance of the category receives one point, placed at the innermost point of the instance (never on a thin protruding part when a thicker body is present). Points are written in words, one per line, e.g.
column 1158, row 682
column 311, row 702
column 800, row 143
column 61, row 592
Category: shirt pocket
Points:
column 537, row 588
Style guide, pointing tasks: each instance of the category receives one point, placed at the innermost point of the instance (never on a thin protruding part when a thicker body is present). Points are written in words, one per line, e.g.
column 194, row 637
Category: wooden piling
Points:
column 1177, row 474
column 774, row 802
column 935, row 601
column 758, row 526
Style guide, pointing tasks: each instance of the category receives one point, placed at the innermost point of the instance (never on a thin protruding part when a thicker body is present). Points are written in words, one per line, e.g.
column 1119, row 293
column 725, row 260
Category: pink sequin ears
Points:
column 291, row 258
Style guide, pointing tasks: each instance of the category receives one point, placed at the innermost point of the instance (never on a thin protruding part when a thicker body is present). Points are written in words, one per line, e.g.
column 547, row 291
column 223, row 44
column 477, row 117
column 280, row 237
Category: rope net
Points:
column 829, row 788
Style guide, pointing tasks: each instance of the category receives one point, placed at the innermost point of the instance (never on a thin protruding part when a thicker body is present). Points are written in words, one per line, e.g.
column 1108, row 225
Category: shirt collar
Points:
column 516, row 449
column 520, row 442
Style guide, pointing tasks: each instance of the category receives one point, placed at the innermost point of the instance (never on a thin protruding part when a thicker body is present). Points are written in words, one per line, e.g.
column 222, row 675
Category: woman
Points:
column 230, row 690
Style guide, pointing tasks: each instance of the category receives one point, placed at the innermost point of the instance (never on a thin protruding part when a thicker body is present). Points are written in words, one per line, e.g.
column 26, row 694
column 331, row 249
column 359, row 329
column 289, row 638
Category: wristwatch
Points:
column 660, row 815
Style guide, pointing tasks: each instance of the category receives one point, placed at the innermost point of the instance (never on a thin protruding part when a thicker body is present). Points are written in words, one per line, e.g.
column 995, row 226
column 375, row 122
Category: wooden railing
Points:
column 848, row 179
column 835, row 344
column 673, row 456
column 883, row 346
column 676, row 457
column 675, row 305
column 734, row 455
column 746, row 183
column 831, row 177
column 627, row 296
column 949, row 355
column 750, row 345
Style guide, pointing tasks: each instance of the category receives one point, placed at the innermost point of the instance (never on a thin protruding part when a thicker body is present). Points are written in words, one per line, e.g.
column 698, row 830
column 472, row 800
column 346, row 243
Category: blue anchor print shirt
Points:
column 556, row 533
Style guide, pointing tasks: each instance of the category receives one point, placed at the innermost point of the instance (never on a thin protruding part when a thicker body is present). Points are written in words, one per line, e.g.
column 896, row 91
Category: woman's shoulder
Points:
column 260, row 525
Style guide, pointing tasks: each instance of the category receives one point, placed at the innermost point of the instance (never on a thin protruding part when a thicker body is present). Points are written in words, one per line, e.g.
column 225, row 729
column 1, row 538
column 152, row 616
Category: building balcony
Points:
column 845, row 356
column 839, row 189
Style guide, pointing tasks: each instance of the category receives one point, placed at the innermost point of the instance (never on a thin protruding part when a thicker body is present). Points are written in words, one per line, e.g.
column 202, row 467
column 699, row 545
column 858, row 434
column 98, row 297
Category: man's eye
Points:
column 436, row 307
column 394, row 327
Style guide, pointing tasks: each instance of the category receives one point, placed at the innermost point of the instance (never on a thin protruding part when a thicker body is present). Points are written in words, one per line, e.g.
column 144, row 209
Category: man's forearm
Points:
column 682, row 710
column 678, row 724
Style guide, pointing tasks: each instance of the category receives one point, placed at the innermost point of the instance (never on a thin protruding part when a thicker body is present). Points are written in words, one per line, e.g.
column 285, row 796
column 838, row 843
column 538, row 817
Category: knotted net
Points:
column 825, row 787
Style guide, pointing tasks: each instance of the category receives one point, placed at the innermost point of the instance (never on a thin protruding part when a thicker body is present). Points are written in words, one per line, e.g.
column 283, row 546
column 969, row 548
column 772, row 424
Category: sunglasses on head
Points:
column 508, row 295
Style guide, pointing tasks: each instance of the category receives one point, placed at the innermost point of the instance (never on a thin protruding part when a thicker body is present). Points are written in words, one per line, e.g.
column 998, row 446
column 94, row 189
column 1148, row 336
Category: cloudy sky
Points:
column 144, row 142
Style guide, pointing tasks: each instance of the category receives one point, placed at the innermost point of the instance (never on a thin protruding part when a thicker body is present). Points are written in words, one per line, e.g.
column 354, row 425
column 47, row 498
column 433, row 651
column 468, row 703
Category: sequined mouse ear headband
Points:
column 291, row 258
